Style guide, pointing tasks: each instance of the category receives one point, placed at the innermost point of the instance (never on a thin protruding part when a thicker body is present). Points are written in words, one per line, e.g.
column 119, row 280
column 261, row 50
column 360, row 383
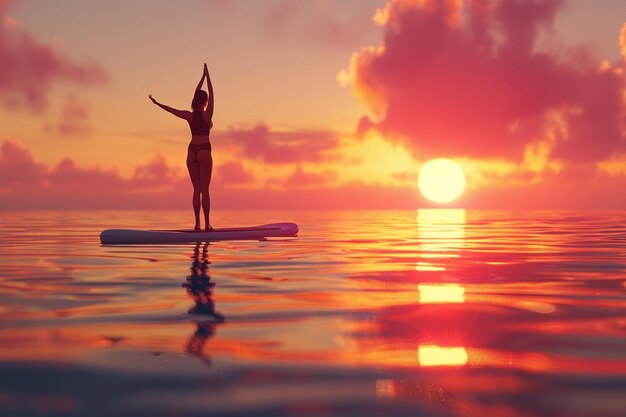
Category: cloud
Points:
column 357, row 195
column 476, row 80
column 279, row 17
column 260, row 143
column 314, row 22
column 233, row 172
column 10, row 21
column 28, row 184
column 75, row 117
column 406, row 176
column 18, row 168
column 300, row 178
column 622, row 41
column 29, row 69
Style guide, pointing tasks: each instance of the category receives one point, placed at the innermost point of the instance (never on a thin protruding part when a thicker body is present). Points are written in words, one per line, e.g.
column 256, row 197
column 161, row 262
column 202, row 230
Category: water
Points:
column 433, row 313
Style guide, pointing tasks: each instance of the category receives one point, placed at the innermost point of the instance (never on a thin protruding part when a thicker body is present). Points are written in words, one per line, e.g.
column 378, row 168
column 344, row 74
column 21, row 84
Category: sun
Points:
column 441, row 180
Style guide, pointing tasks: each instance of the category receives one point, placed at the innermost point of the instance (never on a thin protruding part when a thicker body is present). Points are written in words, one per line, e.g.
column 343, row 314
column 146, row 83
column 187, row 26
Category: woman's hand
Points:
column 206, row 70
column 152, row 98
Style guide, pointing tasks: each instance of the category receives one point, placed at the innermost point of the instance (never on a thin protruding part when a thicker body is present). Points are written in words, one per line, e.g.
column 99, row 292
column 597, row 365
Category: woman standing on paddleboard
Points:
column 199, row 159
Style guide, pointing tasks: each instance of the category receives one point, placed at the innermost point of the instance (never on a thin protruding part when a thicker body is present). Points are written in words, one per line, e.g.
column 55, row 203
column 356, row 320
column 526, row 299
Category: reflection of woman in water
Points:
column 199, row 159
column 200, row 289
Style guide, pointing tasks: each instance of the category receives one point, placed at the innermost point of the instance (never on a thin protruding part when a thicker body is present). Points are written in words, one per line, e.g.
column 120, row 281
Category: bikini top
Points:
column 198, row 125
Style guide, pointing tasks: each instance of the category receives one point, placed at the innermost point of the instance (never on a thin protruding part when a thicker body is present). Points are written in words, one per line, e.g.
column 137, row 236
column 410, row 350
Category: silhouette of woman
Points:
column 199, row 159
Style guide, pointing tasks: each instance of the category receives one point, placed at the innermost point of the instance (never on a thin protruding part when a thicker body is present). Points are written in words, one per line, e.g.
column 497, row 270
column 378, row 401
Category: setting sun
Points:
column 441, row 180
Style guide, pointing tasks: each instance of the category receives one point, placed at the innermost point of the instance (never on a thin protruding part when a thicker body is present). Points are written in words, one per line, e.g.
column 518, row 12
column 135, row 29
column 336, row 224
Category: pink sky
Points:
column 319, row 104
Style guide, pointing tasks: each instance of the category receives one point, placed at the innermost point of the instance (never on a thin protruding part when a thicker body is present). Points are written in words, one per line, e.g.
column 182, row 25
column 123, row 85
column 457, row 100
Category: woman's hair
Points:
column 199, row 98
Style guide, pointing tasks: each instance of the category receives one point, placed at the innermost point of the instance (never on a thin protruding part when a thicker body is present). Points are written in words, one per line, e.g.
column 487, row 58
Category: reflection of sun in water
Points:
column 441, row 180
column 441, row 234
column 431, row 355
column 441, row 293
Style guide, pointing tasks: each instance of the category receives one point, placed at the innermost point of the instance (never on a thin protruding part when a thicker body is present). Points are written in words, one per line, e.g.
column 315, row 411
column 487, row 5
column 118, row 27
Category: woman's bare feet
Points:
column 208, row 227
column 197, row 227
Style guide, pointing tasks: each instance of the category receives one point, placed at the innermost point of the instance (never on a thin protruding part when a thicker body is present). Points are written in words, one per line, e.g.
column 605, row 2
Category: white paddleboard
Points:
column 121, row 236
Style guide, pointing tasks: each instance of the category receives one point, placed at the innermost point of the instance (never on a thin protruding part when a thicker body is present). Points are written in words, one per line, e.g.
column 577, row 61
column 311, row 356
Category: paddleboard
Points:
column 121, row 236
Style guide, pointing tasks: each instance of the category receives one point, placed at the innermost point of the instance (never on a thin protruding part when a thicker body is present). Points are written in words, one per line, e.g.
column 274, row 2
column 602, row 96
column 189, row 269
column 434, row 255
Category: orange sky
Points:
column 319, row 104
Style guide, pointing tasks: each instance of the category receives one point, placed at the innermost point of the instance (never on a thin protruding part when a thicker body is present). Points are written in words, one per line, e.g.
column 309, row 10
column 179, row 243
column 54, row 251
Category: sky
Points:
column 319, row 104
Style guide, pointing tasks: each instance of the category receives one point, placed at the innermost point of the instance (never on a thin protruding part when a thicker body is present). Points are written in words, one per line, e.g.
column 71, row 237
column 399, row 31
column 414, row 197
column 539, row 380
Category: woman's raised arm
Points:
column 183, row 114
column 204, row 74
column 210, row 106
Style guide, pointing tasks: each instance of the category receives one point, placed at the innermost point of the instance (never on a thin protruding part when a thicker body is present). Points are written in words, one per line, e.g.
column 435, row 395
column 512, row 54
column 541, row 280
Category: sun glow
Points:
column 441, row 180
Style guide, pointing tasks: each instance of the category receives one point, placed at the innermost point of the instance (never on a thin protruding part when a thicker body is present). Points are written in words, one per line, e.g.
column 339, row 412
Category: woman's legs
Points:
column 205, row 169
column 194, row 173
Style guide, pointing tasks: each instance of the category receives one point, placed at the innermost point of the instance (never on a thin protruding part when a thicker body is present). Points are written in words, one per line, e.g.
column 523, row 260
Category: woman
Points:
column 199, row 159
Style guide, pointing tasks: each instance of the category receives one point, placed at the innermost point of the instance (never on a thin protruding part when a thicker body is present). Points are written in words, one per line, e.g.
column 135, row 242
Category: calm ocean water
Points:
column 408, row 313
